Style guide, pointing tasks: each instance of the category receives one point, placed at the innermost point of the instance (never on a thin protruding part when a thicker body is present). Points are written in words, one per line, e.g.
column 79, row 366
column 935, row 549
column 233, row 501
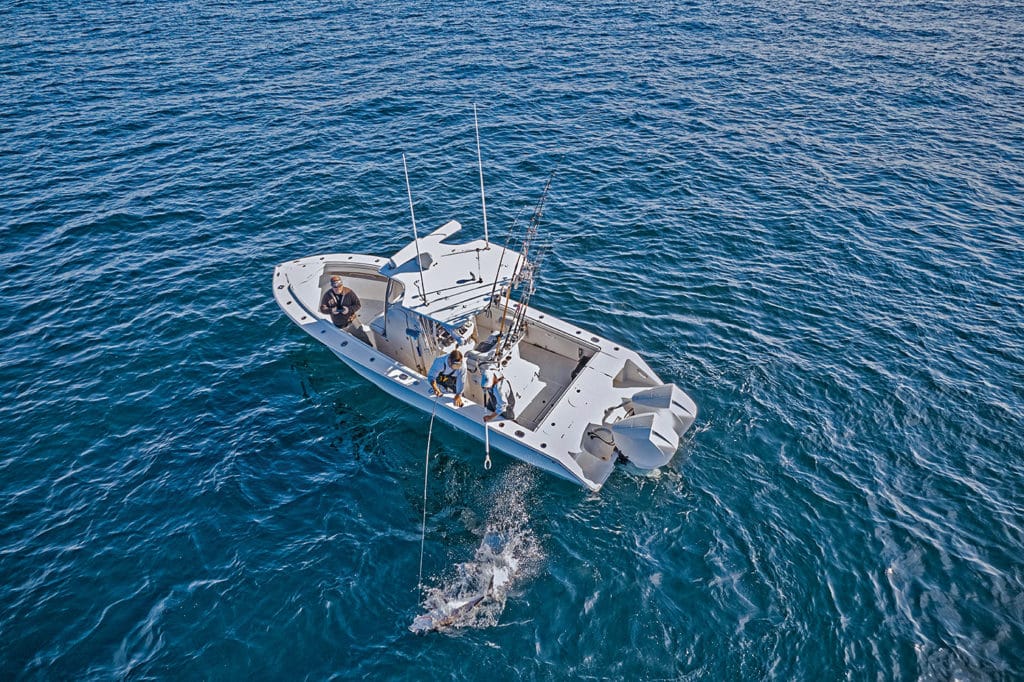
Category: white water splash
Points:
column 507, row 554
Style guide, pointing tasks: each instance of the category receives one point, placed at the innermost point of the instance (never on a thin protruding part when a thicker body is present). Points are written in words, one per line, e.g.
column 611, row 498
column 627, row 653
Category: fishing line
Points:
column 426, row 471
column 487, row 446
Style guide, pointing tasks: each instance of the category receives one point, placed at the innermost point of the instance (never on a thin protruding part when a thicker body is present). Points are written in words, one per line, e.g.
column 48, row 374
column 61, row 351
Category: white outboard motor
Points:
column 661, row 415
column 648, row 441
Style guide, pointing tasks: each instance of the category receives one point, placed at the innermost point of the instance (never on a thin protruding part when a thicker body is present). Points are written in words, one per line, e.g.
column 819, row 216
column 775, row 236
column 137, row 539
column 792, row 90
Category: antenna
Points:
column 480, row 164
column 415, row 236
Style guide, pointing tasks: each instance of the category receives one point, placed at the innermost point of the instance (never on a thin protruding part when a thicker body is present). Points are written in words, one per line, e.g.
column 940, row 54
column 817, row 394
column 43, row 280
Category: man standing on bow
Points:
column 341, row 303
column 449, row 373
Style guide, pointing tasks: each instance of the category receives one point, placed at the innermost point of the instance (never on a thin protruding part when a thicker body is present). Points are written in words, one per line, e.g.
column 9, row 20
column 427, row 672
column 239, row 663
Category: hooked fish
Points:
column 449, row 613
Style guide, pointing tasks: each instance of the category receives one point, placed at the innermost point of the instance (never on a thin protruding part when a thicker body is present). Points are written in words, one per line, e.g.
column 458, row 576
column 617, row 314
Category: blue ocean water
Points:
column 809, row 216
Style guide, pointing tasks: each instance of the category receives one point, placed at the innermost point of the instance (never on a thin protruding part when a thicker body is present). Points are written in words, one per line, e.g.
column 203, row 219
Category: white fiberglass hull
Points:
column 470, row 422
column 567, row 405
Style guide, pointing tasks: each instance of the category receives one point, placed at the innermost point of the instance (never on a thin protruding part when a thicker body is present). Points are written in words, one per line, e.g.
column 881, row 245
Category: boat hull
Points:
column 571, row 384
column 459, row 418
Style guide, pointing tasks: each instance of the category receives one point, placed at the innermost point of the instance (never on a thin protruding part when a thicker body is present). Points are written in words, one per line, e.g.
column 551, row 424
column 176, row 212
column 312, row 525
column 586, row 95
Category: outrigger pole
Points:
column 415, row 236
column 480, row 164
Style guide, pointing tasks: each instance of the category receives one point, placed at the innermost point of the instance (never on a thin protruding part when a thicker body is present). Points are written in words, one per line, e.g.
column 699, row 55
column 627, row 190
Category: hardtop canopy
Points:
column 459, row 278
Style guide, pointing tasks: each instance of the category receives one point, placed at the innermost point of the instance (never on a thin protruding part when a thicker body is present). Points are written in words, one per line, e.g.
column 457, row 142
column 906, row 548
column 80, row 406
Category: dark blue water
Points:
column 810, row 217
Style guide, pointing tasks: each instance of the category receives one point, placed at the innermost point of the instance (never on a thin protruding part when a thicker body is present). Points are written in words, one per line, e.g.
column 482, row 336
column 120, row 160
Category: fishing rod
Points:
column 531, row 231
column 527, row 271
column 519, row 319
column 501, row 260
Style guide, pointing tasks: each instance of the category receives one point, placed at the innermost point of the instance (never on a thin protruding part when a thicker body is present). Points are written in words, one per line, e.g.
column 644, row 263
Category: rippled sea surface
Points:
column 809, row 216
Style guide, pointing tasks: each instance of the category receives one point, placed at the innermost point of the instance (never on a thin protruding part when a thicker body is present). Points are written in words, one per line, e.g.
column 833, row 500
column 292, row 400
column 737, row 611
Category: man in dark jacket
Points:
column 342, row 304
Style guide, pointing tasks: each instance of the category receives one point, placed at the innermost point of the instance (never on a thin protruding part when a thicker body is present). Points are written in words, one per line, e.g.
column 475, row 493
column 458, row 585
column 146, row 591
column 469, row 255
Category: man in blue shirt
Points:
column 448, row 372
column 498, row 397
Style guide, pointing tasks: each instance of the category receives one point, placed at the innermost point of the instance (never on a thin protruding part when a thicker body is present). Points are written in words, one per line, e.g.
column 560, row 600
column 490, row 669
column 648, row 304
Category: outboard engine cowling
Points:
column 667, row 398
column 660, row 416
column 648, row 440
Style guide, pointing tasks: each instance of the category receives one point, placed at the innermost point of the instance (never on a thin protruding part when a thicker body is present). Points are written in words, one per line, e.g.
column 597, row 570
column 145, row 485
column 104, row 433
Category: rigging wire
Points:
column 426, row 470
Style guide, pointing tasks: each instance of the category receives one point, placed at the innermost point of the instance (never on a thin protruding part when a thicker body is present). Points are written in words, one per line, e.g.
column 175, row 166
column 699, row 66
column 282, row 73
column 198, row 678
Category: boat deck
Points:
column 554, row 375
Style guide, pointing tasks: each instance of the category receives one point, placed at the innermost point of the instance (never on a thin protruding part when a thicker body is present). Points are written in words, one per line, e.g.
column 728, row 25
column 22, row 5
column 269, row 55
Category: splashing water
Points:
column 508, row 553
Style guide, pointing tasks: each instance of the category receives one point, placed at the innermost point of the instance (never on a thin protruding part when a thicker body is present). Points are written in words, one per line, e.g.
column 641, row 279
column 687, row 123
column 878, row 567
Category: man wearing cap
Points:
column 342, row 304
column 448, row 372
column 498, row 396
